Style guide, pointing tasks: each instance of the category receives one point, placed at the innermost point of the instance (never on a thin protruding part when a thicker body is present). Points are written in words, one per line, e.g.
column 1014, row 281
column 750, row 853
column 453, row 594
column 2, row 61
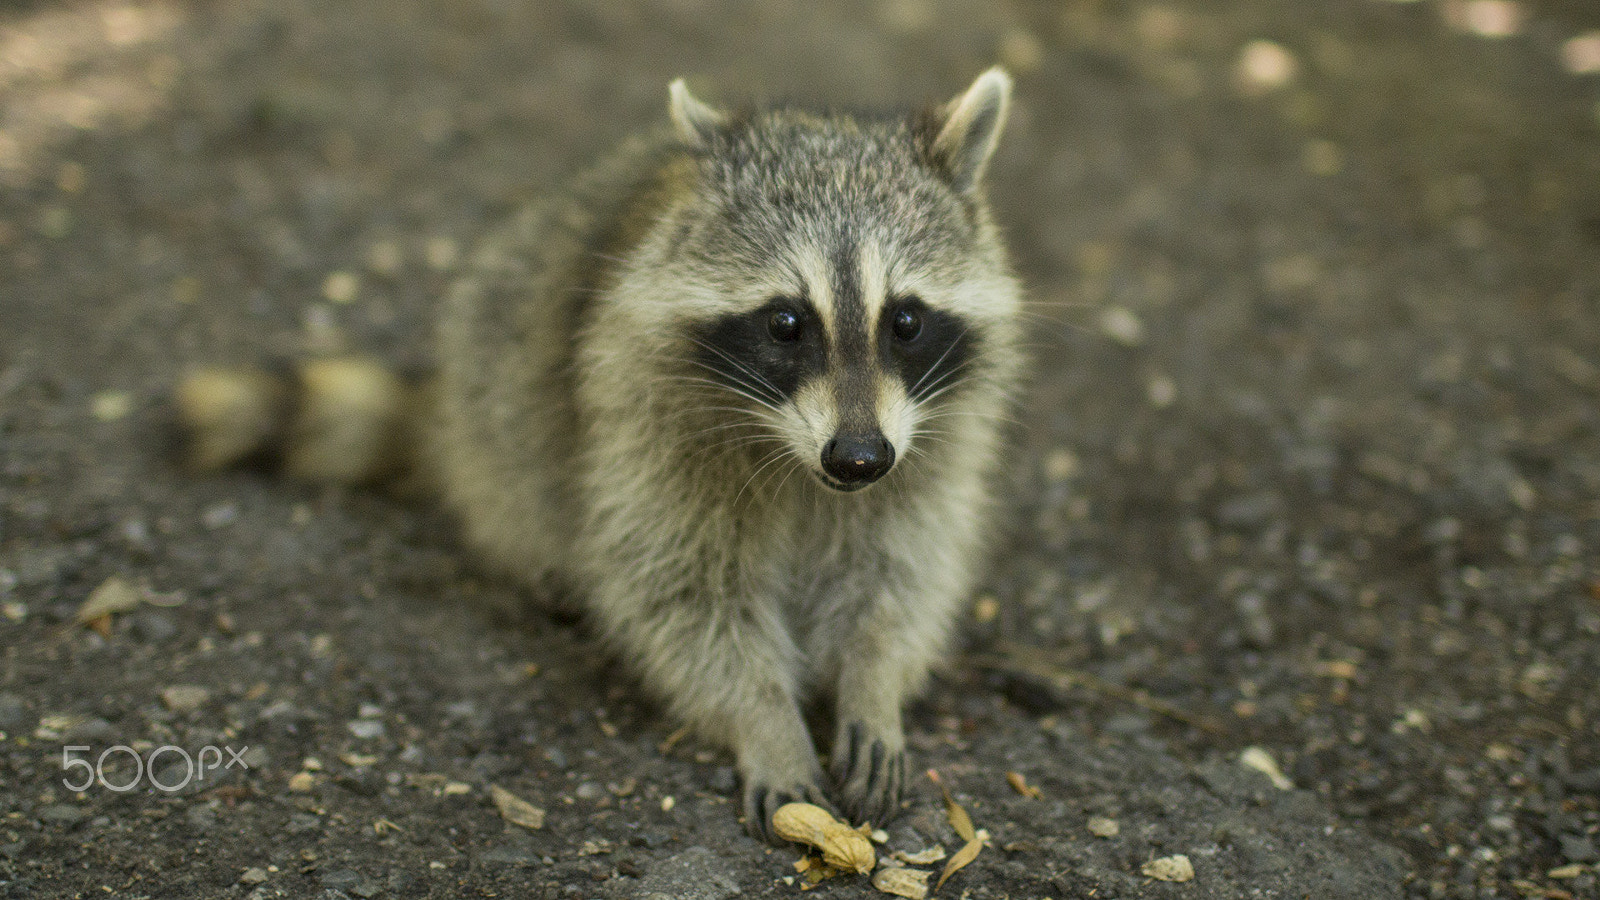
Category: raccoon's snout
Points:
column 857, row 460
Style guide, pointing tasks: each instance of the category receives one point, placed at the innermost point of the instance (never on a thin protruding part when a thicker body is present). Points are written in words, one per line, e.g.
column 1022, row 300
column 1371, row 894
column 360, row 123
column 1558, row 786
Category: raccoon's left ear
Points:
column 959, row 137
column 696, row 122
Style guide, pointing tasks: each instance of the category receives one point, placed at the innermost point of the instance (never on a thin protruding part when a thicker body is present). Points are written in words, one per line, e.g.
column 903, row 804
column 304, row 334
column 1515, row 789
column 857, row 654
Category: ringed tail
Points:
column 339, row 420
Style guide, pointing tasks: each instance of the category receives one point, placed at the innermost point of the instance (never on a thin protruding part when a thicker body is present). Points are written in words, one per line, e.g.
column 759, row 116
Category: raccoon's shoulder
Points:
column 535, row 276
column 613, row 206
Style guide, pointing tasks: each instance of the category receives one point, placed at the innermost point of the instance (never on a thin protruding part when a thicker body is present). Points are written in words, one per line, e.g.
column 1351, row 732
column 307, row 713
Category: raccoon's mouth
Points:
column 844, row 487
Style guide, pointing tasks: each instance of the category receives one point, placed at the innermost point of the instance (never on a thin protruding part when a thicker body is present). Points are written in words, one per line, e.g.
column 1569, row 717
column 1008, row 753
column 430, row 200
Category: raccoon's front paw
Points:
column 761, row 800
column 870, row 771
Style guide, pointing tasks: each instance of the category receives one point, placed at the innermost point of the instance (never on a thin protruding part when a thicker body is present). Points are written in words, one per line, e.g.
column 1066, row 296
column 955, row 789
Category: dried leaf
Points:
column 842, row 846
column 816, row 870
column 922, row 857
column 112, row 596
column 1262, row 761
column 516, row 810
column 959, row 820
column 958, row 862
column 1169, row 868
column 902, row 882
column 1019, row 783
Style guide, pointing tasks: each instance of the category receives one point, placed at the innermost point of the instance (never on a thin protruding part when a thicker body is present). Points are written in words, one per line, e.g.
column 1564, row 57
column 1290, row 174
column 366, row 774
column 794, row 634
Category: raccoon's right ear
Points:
column 959, row 137
column 696, row 122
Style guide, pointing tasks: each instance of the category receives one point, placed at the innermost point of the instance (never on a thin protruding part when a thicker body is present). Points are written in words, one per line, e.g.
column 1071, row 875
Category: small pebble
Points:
column 1102, row 827
column 182, row 698
column 1061, row 464
column 109, row 406
column 1488, row 18
column 1581, row 55
column 341, row 287
column 365, row 729
column 1169, row 868
column 1122, row 326
column 219, row 515
column 985, row 609
column 1161, row 391
column 1263, row 67
column 253, row 875
column 62, row 814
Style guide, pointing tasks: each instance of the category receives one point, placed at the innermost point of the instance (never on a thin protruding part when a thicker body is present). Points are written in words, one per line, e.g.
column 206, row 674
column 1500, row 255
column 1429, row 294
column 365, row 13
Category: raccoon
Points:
column 742, row 391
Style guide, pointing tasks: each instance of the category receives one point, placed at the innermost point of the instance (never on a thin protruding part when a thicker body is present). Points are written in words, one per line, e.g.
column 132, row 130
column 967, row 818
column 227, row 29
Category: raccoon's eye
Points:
column 784, row 326
column 907, row 324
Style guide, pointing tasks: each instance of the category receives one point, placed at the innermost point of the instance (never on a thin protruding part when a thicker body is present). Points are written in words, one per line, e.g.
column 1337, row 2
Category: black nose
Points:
column 858, row 459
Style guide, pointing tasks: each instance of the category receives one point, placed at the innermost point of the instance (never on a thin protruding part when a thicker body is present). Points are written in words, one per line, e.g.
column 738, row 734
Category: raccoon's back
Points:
column 505, row 442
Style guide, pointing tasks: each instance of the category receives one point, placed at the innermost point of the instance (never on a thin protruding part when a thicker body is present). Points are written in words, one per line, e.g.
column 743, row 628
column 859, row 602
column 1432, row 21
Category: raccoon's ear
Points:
column 959, row 137
column 696, row 122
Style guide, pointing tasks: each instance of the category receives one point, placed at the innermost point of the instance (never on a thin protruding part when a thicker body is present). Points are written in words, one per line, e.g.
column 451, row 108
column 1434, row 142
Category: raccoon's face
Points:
column 847, row 367
column 849, row 277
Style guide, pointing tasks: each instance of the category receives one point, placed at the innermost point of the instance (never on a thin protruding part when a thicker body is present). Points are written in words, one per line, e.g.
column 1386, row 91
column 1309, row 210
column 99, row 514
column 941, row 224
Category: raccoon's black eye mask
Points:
column 928, row 348
column 768, row 352
column 772, row 350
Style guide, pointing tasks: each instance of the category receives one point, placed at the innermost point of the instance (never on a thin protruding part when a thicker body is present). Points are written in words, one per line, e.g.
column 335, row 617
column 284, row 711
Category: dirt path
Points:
column 1311, row 464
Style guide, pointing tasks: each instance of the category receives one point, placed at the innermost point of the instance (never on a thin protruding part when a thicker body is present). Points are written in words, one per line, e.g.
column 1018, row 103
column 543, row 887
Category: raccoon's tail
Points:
column 344, row 420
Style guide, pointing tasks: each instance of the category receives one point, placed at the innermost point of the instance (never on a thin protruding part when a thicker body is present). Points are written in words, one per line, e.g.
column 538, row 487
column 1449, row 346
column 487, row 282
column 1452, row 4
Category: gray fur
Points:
column 580, row 437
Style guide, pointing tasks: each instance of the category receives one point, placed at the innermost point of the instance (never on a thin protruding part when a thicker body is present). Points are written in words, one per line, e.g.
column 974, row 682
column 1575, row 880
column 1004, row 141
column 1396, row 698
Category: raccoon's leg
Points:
column 728, row 669
column 777, row 762
column 885, row 656
column 868, row 758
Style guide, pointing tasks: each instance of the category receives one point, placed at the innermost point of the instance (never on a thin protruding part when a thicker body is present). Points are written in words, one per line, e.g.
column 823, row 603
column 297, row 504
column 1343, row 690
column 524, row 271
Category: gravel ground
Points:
column 1311, row 464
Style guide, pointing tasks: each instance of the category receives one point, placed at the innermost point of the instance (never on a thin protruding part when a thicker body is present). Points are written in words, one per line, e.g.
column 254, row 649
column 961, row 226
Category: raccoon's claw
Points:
column 869, row 776
column 761, row 801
